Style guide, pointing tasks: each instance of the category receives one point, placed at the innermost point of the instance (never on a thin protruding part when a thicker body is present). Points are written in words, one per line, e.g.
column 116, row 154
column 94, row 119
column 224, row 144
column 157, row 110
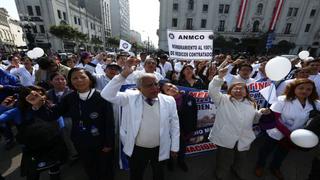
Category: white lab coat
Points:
column 234, row 119
column 132, row 108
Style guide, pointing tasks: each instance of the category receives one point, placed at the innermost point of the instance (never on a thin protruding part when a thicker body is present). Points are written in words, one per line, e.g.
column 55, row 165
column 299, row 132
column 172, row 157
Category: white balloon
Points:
column 31, row 54
column 38, row 52
column 304, row 138
column 277, row 68
column 303, row 54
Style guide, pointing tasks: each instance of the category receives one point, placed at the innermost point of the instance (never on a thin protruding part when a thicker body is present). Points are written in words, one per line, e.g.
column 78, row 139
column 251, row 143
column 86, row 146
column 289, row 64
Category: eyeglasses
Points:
column 237, row 89
column 155, row 84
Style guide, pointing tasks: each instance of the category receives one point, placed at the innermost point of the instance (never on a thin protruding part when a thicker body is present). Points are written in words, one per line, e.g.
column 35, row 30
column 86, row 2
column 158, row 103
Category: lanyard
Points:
column 80, row 108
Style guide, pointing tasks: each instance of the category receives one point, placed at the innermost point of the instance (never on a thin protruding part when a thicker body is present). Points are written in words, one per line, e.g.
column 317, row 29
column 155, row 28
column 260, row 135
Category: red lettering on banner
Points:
column 200, row 147
column 199, row 94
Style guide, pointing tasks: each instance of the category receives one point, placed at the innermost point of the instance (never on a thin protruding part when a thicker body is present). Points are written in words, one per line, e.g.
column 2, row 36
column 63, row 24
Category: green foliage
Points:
column 113, row 41
column 66, row 32
column 95, row 40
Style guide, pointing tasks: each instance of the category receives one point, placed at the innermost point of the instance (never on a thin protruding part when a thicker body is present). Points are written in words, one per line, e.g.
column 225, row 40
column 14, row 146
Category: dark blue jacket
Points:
column 95, row 112
column 10, row 84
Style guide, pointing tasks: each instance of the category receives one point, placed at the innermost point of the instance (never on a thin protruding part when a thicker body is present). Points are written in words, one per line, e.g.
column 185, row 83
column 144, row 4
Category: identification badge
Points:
column 94, row 131
column 81, row 126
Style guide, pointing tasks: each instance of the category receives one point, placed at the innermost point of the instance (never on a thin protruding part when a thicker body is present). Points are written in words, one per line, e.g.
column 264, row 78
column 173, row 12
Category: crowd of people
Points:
column 69, row 109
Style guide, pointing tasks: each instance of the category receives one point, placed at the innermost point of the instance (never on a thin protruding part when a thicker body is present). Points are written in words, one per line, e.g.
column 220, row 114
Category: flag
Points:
column 269, row 93
column 269, row 40
column 124, row 45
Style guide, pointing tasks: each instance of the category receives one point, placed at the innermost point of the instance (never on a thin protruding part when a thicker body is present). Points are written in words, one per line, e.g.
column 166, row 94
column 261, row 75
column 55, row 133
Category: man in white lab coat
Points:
column 149, row 128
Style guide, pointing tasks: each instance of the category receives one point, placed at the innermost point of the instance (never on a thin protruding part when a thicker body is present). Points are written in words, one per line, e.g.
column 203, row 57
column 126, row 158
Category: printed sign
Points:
column 190, row 45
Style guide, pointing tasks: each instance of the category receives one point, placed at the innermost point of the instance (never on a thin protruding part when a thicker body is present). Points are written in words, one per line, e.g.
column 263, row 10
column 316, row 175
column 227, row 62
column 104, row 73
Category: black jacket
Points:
column 188, row 114
column 95, row 112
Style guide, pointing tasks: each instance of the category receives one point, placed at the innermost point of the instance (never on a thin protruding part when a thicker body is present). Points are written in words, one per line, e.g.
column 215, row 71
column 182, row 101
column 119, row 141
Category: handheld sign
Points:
column 190, row 45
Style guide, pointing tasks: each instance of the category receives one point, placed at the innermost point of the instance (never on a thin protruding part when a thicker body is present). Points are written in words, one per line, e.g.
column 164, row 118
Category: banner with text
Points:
column 190, row 45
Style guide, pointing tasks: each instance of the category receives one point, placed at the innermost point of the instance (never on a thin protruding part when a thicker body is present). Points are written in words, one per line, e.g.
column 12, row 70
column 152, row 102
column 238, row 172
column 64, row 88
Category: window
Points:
column 42, row 29
column 75, row 20
column 174, row 22
column 288, row 28
column 189, row 23
column 221, row 7
column 307, row 28
column 312, row 13
column 190, row 4
column 203, row 23
column 59, row 14
column 226, row 8
column 38, row 11
column 255, row 27
column 221, row 25
column 34, row 29
column 290, row 12
column 205, row 8
column 64, row 16
column 295, row 12
column 175, row 6
column 259, row 8
column 79, row 22
column 30, row 11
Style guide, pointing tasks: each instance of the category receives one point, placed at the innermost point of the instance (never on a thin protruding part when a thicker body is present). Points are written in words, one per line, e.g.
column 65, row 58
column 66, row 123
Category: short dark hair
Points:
column 52, row 76
column 73, row 70
column 245, row 65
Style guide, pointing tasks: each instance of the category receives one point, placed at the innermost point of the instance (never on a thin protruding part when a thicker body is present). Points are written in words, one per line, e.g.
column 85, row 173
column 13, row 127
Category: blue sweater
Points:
column 10, row 84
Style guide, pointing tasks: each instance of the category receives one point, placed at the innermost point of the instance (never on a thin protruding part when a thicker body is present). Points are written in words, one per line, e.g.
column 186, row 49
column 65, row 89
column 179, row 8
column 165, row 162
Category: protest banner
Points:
column 190, row 45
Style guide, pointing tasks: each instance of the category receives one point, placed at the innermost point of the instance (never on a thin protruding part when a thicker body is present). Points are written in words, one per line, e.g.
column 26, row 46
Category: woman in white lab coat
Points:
column 291, row 113
column 232, row 131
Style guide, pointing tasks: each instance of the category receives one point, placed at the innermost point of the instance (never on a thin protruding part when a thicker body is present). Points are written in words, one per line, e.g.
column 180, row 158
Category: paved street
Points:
column 296, row 167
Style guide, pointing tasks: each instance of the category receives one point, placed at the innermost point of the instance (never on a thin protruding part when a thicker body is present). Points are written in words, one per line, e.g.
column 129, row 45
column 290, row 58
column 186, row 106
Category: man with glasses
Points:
column 149, row 129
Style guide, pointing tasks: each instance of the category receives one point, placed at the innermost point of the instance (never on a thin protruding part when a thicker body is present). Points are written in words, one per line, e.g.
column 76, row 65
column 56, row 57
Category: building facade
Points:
column 17, row 33
column 6, row 37
column 135, row 37
column 294, row 21
column 11, row 34
column 86, row 16
column 120, row 19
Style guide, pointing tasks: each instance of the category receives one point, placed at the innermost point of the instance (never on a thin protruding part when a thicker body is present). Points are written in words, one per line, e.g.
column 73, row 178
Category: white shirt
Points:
column 2, row 66
column 281, row 88
column 166, row 67
column 149, row 131
column 24, row 76
column 102, row 81
column 293, row 115
column 316, row 80
column 178, row 66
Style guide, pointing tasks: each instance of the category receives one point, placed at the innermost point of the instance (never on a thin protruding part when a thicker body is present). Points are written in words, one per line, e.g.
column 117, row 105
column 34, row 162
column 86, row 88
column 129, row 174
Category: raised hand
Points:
column 222, row 72
column 128, row 67
column 8, row 102
column 35, row 99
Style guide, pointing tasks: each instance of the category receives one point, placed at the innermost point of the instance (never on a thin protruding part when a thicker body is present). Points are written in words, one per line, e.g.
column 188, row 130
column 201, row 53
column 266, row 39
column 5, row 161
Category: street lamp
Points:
column 27, row 26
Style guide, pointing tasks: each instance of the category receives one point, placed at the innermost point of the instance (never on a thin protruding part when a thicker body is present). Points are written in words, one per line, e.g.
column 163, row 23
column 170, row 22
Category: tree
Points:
column 113, row 41
column 64, row 32
column 283, row 47
column 96, row 41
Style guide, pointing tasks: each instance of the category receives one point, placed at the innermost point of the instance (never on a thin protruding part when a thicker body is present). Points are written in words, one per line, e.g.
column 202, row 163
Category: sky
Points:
column 144, row 17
